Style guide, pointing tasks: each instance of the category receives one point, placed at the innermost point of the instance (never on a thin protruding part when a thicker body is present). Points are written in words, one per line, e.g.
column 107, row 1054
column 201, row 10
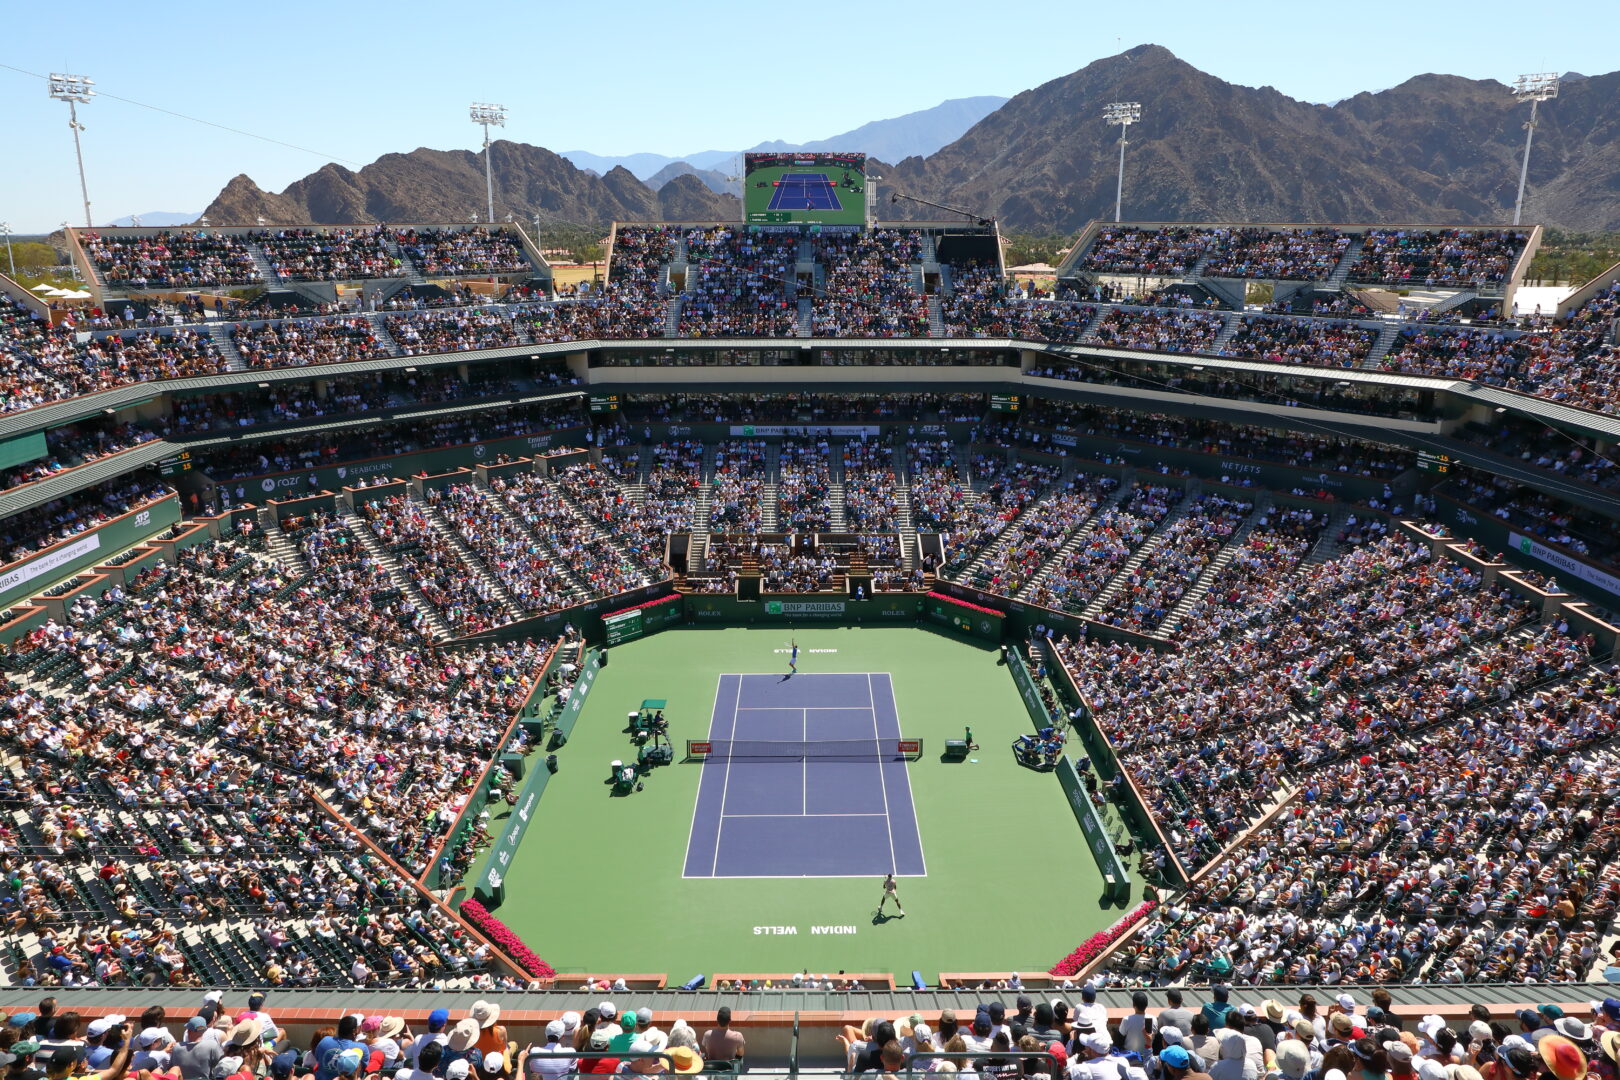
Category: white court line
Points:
column 804, row 765
column 834, row 814
column 725, row 783
column 698, row 799
column 883, row 780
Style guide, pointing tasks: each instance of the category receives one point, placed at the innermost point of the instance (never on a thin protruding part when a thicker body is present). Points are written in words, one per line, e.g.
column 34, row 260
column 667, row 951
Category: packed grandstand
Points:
column 311, row 517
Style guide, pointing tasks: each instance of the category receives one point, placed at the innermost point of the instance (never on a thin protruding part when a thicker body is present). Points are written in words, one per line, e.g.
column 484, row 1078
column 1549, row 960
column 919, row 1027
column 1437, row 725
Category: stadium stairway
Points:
column 379, row 326
column 1227, row 330
column 904, row 523
column 1380, row 347
column 837, row 508
column 1341, row 272
column 413, row 276
column 471, row 558
column 221, row 334
column 767, row 492
column 261, row 261
column 1112, row 588
column 702, row 506
column 601, row 534
column 1200, row 585
column 805, row 327
column 936, row 318
column 672, row 317
column 1070, row 544
column 579, row 589
column 390, row 564
column 279, row 546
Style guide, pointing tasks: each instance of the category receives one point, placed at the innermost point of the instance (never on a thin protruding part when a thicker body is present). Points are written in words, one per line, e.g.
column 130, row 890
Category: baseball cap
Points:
column 599, row 1039
column 1096, row 1044
column 283, row 1063
column 643, row 1016
column 570, row 1020
column 63, row 1057
column 99, row 1027
column 228, row 1066
column 457, row 1069
column 493, row 1064
column 556, row 1029
column 607, row 1009
column 1175, row 1056
column 196, row 1023
column 627, row 1020
column 1346, row 1002
column 152, row 1035
column 25, row 1047
column 438, row 1017
column 1609, row 1007
column 6, row 1059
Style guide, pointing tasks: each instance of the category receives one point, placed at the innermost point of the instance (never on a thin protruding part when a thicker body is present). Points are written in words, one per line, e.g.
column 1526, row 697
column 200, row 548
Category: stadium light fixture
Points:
column 76, row 90
column 1123, row 113
column 482, row 112
column 5, row 227
column 1535, row 89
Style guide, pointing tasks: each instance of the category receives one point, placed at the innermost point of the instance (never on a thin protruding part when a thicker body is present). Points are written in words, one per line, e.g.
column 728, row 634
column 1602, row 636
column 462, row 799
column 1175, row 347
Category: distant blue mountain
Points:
column 156, row 219
column 918, row 133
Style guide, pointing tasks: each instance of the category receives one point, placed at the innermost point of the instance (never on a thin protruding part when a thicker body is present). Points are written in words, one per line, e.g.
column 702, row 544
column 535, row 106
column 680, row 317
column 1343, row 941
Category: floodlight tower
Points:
column 5, row 227
column 1535, row 89
column 1123, row 113
column 486, row 114
column 76, row 90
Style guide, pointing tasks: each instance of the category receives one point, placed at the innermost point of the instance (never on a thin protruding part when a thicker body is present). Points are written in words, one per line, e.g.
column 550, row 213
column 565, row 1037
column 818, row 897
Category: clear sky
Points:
column 355, row 81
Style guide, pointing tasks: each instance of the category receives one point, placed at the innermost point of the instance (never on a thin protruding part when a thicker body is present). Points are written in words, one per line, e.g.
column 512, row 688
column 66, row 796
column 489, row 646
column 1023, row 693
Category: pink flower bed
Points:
column 1094, row 945
column 503, row 939
column 965, row 604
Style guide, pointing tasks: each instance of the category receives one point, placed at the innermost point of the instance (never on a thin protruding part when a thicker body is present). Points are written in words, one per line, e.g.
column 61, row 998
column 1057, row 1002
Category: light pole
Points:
column 75, row 90
column 5, row 226
column 1535, row 89
column 1123, row 113
column 486, row 114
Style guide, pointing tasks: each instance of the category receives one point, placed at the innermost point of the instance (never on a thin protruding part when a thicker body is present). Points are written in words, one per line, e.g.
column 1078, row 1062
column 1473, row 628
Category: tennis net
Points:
column 801, row 749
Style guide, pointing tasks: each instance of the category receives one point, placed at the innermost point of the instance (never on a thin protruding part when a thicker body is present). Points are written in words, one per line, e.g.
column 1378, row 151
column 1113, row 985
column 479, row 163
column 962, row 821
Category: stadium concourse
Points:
column 1303, row 534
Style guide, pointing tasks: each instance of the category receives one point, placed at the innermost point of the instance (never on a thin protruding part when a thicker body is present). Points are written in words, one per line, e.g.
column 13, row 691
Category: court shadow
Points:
column 786, row 677
column 880, row 918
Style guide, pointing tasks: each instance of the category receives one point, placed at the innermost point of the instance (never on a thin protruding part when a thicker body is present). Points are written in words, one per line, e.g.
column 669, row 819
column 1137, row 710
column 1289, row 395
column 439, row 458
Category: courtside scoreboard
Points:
column 1004, row 403
column 1433, row 461
column 807, row 188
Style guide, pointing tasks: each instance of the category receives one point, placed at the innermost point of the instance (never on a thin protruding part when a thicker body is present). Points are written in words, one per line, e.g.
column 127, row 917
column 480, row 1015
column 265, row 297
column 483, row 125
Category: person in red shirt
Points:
column 599, row 1043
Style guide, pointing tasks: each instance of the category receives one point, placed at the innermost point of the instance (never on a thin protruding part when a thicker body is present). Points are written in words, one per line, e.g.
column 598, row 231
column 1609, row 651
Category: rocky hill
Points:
column 1437, row 148
column 448, row 185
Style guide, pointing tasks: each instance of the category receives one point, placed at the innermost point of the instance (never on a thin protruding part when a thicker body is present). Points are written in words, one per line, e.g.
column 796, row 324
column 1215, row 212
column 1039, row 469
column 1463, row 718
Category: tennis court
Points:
column 804, row 191
column 806, row 779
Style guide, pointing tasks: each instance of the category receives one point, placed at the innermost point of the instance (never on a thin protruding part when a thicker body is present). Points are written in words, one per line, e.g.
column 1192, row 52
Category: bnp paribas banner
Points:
column 1564, row 564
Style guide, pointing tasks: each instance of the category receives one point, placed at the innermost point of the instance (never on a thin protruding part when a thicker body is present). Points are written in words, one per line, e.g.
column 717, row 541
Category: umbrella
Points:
column 42, row 287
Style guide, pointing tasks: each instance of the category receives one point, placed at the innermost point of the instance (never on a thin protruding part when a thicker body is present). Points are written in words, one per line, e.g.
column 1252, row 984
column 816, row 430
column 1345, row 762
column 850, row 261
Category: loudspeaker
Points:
column 558, row 740
column 551, row 762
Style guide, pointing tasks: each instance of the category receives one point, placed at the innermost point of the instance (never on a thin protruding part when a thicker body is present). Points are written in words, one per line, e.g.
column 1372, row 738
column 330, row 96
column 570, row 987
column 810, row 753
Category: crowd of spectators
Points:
column 982, row 303
column 297, row 342
column 468, row 603
column 869, row 289
column 790, row 567
column 870, row 502
column 618, row 518
column 525, row 565
column 425, row 332
column 1156, row 330
column 738, row 284
column 73, row 445
column 803, row 485
column 1035, row 535
column 171, row 259
column 738, row 487
column 1438, row 257
column 578, row 548
column 330, row 254
column 1080, row 574
column 65, row 517
column 1285, row 254
column 1299, row 341
column 1170, row 251
column 1000, row 491
column 939, row 496
column 477, row 249
column 1149, row 590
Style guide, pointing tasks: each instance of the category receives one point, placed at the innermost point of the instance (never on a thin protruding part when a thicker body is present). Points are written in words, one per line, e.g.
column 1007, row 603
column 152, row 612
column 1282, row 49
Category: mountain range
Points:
column 1435, row 149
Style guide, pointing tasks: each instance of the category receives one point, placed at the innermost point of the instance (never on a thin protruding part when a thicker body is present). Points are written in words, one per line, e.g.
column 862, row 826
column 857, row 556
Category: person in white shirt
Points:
column 536, row 1067
column 1089, row 1011
column 1137, row 1028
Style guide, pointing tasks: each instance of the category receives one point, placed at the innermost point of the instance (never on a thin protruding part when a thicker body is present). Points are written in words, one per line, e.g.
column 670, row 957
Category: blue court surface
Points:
column 805, row 815
column 804, row 191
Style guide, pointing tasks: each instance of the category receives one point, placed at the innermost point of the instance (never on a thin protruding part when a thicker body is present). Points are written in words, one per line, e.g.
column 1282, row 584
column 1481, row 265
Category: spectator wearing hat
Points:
column 198, row 1051
column 492, row 1067
column 1607, row 1060
column 435, row 1033
column 1293, row 1060
column 492, row 1037
column 1178, row 1064
column 385, row 1040
column 427, row 1062
column 685, row 1059
column 1234, row 1062
column 629, row 1027
column 101, row 1041
column 462, row 1045
column 1088, row 1058
column 599, row 1044
column 284, row 1066
column 21, row 1064
column 723, row 1042
column 1606, row 1014
column 152, row 1049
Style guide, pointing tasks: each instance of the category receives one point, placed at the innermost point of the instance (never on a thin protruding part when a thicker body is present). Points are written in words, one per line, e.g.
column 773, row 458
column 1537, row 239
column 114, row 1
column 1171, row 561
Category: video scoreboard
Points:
column 1433, row 461
column 806, row 188
column 1004, row 402
column 601, row 402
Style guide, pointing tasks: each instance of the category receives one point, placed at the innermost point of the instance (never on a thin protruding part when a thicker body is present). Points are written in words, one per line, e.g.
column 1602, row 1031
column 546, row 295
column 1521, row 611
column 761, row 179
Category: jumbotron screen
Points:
column 823, row 189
